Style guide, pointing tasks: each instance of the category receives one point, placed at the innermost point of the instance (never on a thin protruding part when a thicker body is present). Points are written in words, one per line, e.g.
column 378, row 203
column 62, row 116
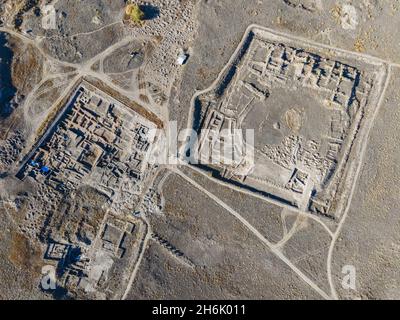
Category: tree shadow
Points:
column 150, row 12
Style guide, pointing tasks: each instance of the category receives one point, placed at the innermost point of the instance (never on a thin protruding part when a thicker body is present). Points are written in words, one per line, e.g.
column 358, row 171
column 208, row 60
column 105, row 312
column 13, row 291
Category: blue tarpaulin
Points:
column 45, row 169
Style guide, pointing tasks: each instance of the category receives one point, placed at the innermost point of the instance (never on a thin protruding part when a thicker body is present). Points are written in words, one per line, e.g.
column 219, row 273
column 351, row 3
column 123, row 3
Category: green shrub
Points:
column 134, row 14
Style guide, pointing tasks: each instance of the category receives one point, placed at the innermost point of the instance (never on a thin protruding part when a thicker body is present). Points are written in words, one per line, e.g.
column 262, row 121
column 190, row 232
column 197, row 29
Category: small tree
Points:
column 134, row 14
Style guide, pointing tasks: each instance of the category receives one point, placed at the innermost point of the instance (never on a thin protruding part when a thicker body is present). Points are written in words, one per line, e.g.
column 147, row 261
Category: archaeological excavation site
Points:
column 192, row 150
